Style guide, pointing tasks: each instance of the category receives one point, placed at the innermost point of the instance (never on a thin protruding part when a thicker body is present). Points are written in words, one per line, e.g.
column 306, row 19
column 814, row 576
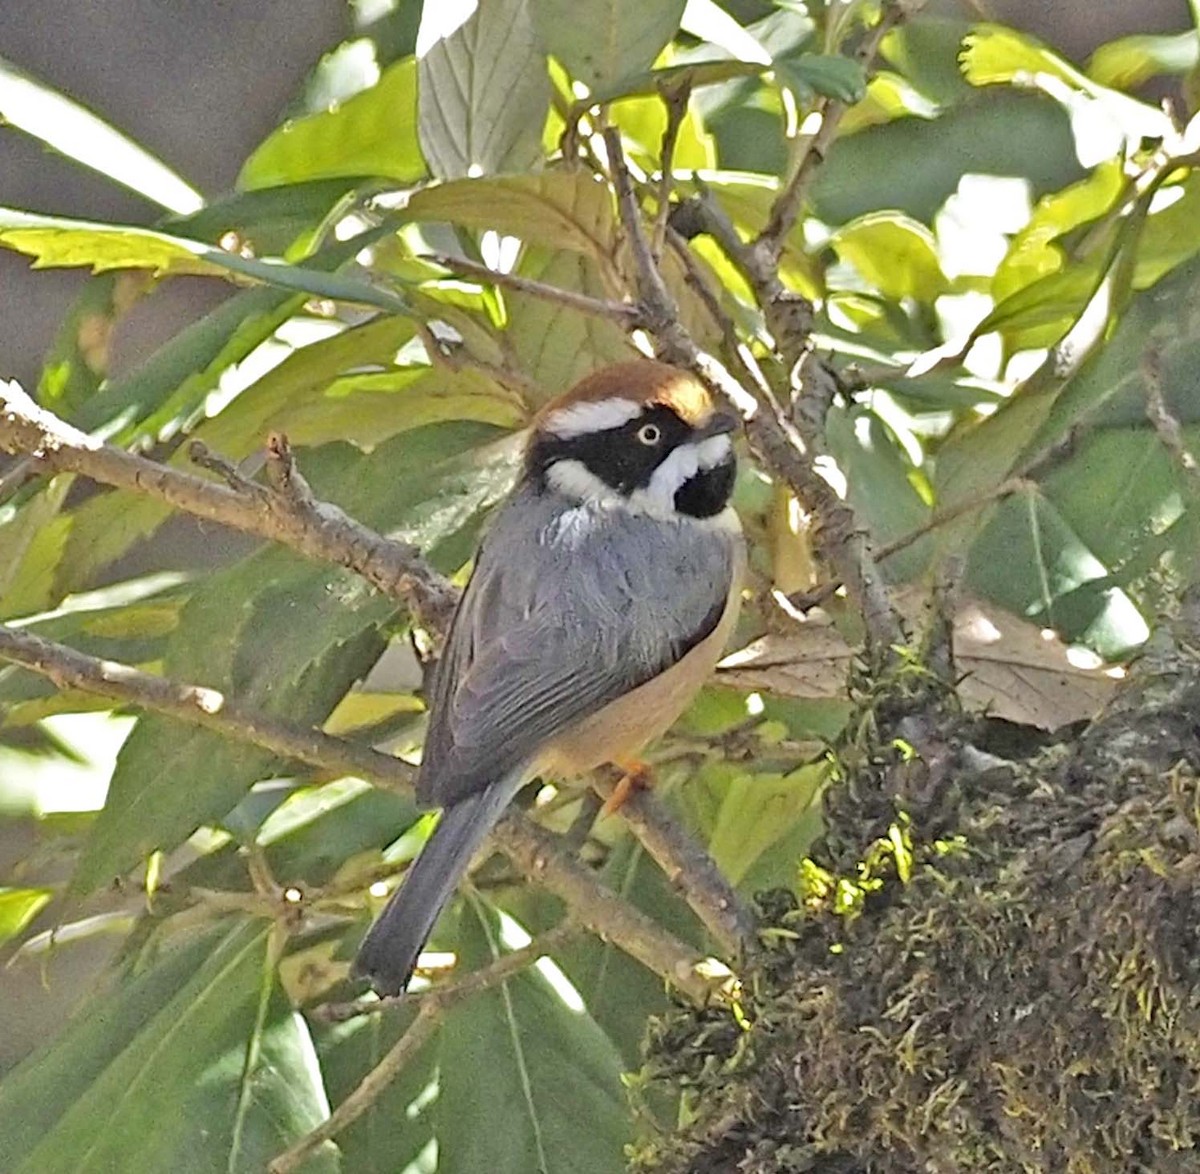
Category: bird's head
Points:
column 641, row 436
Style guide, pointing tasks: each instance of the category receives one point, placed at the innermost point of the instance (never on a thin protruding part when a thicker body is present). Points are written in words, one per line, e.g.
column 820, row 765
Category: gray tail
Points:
column 390, row 949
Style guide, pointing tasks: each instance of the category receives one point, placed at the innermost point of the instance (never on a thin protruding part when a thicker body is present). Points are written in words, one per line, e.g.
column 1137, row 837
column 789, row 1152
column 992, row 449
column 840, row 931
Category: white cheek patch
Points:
column 575, row 479
column 597, row 416
column 682, row 464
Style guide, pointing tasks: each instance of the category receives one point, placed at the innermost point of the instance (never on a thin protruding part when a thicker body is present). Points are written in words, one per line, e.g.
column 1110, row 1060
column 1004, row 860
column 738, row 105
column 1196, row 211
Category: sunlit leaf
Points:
column 475, row 119
column 1127, row 63
column 57, row 242
column 18, row 907
column 371, row 134
column 605, row 40
column 895, row 255
column 557, row 209
column 1033, row 253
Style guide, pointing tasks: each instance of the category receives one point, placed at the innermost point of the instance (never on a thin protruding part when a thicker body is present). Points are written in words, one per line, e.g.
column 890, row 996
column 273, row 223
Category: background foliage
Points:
column 1001, row 247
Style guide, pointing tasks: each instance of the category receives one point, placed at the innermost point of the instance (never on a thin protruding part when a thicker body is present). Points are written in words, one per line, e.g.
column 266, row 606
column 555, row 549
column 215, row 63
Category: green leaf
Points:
column 57, row 242
column 240, row 633
column 549, row 1068
column 1129, row 62
column 18, row 907
column 606, row 40
column 808, row 73
column 398, row 1126
column 370, row 134
column 889, row 96
column 483, row 94
column 31, row 544
column 148, row 1075
column 894, row 254
column 171, row 385
column 758, row 810
column 994, row 54
column 556, row 209
column 1033, row 253
column 347, row 388
column 880, row 484
column 66, row 126
column 556, row 345
column 1012, row 133
column 1040, row 314
column 691, row 75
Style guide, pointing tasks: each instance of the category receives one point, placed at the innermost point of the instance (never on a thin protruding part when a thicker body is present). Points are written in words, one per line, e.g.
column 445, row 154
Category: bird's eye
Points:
column 649, row 434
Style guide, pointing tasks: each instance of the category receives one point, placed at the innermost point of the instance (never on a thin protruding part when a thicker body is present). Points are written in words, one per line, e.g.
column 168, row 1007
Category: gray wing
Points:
column 568, row 609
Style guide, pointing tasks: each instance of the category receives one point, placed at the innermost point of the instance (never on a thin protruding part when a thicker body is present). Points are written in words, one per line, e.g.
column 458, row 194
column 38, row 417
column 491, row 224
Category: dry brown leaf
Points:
column 1010, row 668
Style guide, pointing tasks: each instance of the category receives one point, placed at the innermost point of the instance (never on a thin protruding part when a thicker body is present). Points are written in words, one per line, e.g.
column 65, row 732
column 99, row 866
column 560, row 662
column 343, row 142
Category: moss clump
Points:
column 1028, row 1000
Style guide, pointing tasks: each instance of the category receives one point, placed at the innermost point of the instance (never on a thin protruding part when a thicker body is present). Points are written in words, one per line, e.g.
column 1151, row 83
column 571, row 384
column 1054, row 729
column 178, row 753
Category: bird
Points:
column 602, row 595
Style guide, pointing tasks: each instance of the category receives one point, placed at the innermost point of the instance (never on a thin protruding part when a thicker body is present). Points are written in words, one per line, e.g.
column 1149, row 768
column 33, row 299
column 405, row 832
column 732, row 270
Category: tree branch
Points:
column 318, row 530
column 772, row 434
column 624, row 313
column 367, row 1092
column 768, row 245
column 533, row 850
column 457, row 988
column 691, row 871
column 200, row 706
column 432, row 1005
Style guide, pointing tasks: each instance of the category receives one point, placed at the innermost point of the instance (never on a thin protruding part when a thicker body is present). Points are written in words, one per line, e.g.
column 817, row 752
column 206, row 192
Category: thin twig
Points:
column 623, row 313
column 535, row 851
column 320, row 531
column 1166, row 425
column 457, row 988
column 432, row 1005
column 691, row 871
column 199, row 705
column 676, row 102
column 367, row 1092
column 773, row 435
column 768, row 245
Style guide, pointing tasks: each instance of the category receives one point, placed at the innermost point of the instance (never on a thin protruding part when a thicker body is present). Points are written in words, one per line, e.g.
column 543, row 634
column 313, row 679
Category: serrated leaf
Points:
column 604, row 40
column 555, row 209
column 371, row 134
column 556, row 345
column 58, row 242
column 549, row 1068
column 66, row 126
column 483, row 94
column 894, row 254
column 995, row 54
column 148, row 1076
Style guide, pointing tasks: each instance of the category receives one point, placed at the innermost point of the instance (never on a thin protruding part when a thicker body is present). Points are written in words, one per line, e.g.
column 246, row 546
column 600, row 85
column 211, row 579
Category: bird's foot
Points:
column 636, row 776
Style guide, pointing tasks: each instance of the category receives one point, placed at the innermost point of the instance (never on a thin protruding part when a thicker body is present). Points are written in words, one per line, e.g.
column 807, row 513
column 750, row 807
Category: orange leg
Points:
column 636, row 776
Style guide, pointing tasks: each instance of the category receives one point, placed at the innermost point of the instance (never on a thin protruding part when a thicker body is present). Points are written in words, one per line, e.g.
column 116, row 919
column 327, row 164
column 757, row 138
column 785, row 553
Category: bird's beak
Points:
column 722, row 421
